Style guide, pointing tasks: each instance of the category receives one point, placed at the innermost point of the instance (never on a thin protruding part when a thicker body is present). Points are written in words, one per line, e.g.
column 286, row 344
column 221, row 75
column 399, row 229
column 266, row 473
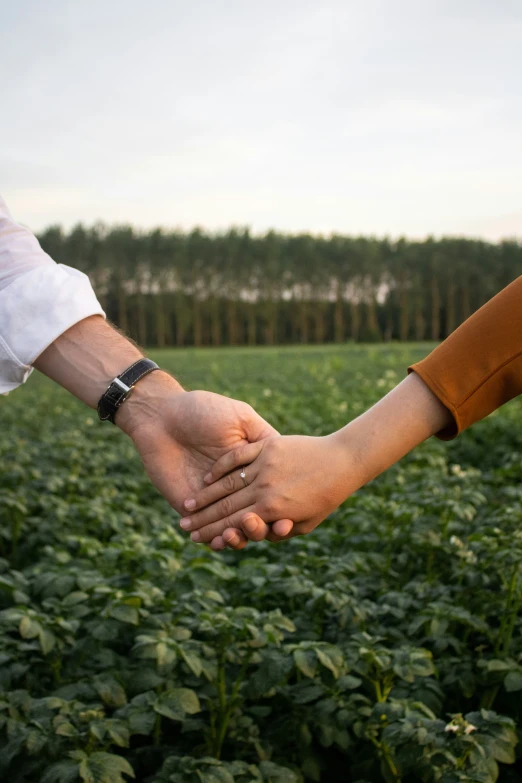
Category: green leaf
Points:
column 165, row 655
column 133, row 600
column 327, row 659
column 19, row 597
column 215, row 775
column 497, row 665
column 97, row 729
column 105, row 768
column 193, row 661
column 513, row 681
column 306, row 662
column 47, row 641
column 29, row 628
column 110, row 691
column 503, row 751
column 349, row 682
column 168, row 708
column 118, row 732
column 276, row 774
column 61, row 772
column 141, row 722
column 187, row 698
column 176, row 703
column 65, row 729
column 76, row 597
column 35, row 740
column 125, row 614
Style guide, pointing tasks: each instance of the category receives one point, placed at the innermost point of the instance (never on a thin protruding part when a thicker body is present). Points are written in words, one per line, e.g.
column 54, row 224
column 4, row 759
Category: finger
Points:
column 298, row 529
column 229, row 484
column 255, row 529
column 234, row 539
column 218, row 511
column 236, row 458
column 217, row 544
column 282, row 527
column 276, row 539
column 207, row 533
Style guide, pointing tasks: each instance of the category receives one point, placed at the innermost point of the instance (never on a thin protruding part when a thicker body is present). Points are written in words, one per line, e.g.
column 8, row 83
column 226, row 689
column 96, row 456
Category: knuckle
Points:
column 240, row 454
column 228, row 483
column 228, row 462
column 225, row 507
column 271, row 507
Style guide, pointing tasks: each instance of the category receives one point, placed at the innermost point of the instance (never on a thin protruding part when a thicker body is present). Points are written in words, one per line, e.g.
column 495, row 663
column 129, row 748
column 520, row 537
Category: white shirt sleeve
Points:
column 39, row 300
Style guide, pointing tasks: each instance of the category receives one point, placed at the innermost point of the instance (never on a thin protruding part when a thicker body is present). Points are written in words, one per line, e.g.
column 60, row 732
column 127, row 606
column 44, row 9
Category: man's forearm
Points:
column 405, row 417
column 88, row 356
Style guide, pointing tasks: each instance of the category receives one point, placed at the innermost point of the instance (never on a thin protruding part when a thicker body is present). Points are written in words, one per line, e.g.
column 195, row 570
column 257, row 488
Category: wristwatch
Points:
column 122, row 386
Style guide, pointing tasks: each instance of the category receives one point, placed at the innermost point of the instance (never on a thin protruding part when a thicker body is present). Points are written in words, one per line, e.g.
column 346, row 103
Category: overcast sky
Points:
column 368, row 116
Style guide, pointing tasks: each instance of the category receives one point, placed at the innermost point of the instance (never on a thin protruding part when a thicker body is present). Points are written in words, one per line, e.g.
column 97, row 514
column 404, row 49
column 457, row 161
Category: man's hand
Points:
column 180, row 435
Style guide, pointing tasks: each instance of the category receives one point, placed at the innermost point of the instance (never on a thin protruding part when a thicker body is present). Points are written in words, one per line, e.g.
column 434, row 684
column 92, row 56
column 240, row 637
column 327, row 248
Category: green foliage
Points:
column 232, row 288
column 386, row 646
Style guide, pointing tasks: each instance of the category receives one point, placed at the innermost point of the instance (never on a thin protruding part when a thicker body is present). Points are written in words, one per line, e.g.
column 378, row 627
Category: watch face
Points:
column 119, row 389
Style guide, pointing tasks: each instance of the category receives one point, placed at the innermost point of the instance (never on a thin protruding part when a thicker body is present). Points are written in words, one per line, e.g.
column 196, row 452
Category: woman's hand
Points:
column 293, row 477
column 306, row 478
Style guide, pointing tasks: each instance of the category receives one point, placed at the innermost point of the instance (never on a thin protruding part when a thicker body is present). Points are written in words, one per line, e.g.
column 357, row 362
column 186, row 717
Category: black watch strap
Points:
column 121, row 387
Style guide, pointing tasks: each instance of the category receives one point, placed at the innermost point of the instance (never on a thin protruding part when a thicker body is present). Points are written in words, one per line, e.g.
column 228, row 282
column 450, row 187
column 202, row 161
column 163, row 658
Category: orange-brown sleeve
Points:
column 479, row 366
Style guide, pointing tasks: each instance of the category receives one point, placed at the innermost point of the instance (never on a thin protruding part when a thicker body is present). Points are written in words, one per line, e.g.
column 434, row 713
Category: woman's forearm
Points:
column 405, row 417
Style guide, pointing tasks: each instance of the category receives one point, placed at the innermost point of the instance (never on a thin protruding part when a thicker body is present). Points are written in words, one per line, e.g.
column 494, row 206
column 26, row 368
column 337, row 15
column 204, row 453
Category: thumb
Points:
column 254, row 528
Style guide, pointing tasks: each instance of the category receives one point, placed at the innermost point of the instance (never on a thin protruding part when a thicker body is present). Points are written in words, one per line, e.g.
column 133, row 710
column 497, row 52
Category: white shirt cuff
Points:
column 36, row 308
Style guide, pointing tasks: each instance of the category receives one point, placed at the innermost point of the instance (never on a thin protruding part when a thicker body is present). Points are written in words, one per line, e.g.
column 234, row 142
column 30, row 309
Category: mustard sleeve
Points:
column 479, row 366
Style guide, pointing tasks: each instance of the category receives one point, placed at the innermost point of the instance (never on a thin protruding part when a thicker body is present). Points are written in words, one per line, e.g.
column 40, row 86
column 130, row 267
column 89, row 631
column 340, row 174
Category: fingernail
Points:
column 208, row 478
column 185, row 524
column 229, row 534
column 195, row 536
column 190, row 504
column 250, row 524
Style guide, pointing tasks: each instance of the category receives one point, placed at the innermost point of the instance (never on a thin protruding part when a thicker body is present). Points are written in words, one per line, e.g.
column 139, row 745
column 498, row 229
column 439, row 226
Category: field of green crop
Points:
column 385, row 646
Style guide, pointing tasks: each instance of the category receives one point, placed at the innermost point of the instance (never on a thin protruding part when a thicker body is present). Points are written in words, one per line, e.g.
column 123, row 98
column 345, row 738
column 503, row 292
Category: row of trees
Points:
column 173, row 288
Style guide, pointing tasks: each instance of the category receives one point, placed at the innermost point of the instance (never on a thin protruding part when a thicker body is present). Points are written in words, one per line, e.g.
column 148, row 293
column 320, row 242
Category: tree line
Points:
column 198, row 288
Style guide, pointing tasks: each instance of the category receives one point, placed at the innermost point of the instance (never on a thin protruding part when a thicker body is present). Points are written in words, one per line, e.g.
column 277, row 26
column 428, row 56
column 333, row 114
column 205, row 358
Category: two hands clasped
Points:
column 293, row 482
column 196, row 450
column 194, row 445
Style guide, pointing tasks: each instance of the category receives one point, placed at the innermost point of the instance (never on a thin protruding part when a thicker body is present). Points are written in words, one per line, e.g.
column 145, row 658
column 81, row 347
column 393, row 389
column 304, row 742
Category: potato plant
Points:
column 386, row 646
